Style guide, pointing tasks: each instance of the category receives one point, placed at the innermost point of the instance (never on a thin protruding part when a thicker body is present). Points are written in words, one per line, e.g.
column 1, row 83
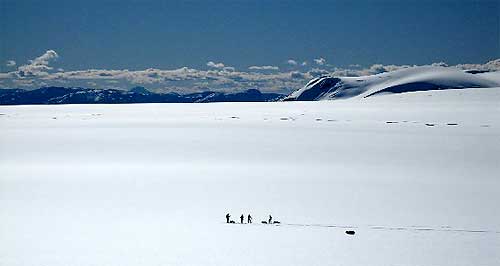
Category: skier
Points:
column 227, row 217
column 270, row 219
column 241, row 218
column 249, row 219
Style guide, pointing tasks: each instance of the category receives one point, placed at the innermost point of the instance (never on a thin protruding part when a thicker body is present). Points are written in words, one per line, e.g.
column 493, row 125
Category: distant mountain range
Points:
column 61, row 95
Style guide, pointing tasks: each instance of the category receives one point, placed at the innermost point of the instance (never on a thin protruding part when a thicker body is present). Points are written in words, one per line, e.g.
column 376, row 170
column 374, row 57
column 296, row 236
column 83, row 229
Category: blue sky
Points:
column 170, row 35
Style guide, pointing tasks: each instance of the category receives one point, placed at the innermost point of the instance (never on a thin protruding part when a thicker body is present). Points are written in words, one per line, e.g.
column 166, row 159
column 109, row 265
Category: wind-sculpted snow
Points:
column 400, row 81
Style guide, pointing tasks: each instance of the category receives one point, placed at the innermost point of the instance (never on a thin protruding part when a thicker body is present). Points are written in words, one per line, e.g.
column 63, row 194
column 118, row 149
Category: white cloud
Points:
column 297, row 75
column 264, row 68
column 215, row 65
column 45, row 58
column 291, row 62
column 372, row 70
column 316, row 72
column 379, row 68
column 7, row 75
column 442, row 64
column 10, row 63
column 24, row 83
column 38, row 66
column 493, row 65
column 229, row 69
column 182, row 80
column 320, row 61
column 304, row 63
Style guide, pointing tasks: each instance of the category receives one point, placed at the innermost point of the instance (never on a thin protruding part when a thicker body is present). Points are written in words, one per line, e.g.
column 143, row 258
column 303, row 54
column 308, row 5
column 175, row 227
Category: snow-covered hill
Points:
column 400, row 81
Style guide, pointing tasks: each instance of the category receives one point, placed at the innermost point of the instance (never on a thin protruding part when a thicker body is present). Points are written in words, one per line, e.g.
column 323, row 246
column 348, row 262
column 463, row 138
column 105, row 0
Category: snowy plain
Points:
column 416, row 175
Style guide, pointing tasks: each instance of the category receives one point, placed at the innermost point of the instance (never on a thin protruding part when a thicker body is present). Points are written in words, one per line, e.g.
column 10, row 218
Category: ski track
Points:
column 378, row 227
column 399, row 228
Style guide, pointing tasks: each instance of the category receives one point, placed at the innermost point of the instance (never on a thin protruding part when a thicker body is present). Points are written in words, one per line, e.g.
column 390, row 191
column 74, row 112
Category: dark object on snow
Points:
column 249, row 219
column 231, row 222
column 264, row 222
column 276, row 222
column 350, row 232
column 475, row 71
column 270, row 219
column 241, row 218
column 227, row 218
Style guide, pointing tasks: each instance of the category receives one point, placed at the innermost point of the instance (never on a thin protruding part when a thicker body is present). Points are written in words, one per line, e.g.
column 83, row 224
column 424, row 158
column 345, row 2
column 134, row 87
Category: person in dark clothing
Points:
column 249, row 219
column 270, row 219
column 241, row 218
column 227, row 217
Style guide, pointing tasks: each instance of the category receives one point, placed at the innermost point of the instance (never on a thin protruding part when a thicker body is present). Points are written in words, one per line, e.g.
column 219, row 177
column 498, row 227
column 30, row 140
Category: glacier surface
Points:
column 416, row 175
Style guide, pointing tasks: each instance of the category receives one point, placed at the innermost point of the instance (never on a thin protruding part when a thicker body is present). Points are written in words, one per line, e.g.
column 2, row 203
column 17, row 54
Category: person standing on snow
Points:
column 249, row 219
column 270, row 218
column 227, row 217
column 241, row 218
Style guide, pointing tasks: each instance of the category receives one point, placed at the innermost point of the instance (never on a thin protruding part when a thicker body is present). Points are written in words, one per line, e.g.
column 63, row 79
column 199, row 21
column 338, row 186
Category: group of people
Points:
column 242, row 218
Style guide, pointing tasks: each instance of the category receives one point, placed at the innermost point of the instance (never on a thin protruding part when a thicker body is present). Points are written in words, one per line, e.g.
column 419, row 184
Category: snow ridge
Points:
column 399, row 81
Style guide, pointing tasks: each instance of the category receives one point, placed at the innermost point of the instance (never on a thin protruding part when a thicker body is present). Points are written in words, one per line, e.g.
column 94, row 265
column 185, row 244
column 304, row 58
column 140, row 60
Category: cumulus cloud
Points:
column 217, row 77
column 493, row 65
column 298, row 75
column 229, row 69
column 215, row 65
column 441, row 64
column 291, row 62
column 264, row 68
column 184, row 79
column 45, row 58
column 316, row 72
column 379, row 68
column 8, row 75
column 320, row 61
column 10, row 63
column 220, row 66
column 38, row 66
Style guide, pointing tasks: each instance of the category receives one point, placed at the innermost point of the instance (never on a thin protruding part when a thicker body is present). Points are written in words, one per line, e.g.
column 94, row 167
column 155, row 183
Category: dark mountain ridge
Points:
column 62, row 95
